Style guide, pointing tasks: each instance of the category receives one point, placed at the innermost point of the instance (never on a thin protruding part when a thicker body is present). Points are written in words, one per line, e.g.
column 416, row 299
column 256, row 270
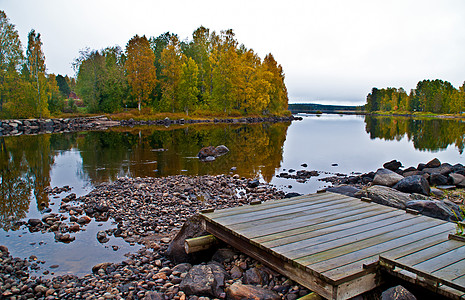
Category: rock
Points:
column 102, row 237
column 206, row 151
column 176, row 252
column 65, row 238
column 209, row 158
column 437, row 192
column 253, row 183
column 34, row 222
column 207, row 280
column 457, row 179
column 347, row 190
column 387, row 196
column 444, row 169
column 435, row 209
column 397, row 293
column 151, row 295
column 40, row 289
column 255, row 276
column 291, row 195
column 83, row 220
column 438, row 179
column 413, row 184
column 392, row 165
column 221, row 150
column 236, row 272
column 182, row 268
column 238, row 291
column 434, row 163
column 224, row 255
column 99, row 266
column 386, row 177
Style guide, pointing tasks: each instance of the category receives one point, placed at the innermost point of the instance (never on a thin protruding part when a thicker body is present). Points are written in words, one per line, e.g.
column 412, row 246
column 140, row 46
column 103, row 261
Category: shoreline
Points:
column 15, row 127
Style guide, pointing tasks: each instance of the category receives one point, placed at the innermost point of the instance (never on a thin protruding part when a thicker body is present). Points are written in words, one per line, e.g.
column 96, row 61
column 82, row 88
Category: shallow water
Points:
column 328, row 143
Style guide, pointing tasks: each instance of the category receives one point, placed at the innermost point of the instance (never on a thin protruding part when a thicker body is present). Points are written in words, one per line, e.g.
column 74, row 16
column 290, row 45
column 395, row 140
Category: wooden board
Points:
column 332, row 243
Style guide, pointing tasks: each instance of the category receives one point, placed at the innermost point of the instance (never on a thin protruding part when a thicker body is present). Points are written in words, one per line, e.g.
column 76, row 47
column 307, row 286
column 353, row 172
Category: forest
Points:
column 211, row 72
column 430, row 96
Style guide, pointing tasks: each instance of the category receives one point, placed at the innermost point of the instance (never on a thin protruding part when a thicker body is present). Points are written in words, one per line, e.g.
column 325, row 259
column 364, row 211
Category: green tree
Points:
column 140, row 69
column 171, row 62
column 188, row 91
column 63, row 85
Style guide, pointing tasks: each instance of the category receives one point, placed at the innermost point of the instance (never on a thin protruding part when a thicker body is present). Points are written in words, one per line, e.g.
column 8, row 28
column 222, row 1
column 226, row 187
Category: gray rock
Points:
column 386, row 177
column 457, row 179
column 444, row 169
column 238, row 291
column 182, row 268
column 392, row 165
column 413, row 184
column 34, row 222
column 224, row 255
column 438, row 179
column 152, row 295
column 388, row 196
column 397, row 293
column 433, row 208
column 102, row 237
column 221, row 150
column 255, row 276
column 205, row 280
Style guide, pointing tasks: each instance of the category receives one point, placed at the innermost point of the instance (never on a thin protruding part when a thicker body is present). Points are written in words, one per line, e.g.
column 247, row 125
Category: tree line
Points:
column 210, row 72
column 435, row 96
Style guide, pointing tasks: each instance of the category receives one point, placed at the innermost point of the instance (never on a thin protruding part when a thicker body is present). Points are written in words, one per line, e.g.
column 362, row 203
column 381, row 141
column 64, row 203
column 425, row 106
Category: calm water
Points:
column 29, row 164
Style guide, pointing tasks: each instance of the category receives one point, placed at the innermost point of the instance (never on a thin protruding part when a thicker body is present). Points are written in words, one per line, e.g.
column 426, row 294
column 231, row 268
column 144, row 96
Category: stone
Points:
column 83, row 220
column 291, row 195
column 434, row 163
column 397, row 293
column 238, row 291
column 437, row 192
column 435, row 209
column 255, row 276
column 102, row 237
column 182, row 268
column 457, row 179
column 40, row 289
column 392, row 165
column 253, row 183
column 438, row 179
column 386, row 196
column 201, row 280
column 236, row 272
column 221, row 150
column 224, row 255
column 413, row 184
column 99, row 266
column 176, row 251
column 343, row 189
column 34, row 222
column 444, row 169
column 152, row 295
column 386, row 177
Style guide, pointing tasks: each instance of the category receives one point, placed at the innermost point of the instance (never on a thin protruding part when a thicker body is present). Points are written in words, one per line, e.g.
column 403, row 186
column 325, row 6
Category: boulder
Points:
column 397, row 293
column 387, row 196
column 386, row 177
column 444, row 169
column 255, row 276
column 413, row 184
column 176, row 252
column 392, row 165
column 438, row 179
column 238, row 291
column 224, row 255
column 343, row 189
column 206, row 151
column 207, row 280
column 34, row 222
column 434, row 163
column 221, row 150
column 435, row 209
column 152, row 295
column 457, row 179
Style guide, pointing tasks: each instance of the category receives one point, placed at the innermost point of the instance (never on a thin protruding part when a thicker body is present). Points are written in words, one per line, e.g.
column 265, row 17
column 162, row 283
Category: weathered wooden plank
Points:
column 317, row 198
column 305, row 219
column 442, row 260
column 336, row 231
column 452, row 271
column 336, row 269
column 346, row 245
column 299, row 249
column 429, row 253
column 267, row 215
column 460, row 281
column 333, row 219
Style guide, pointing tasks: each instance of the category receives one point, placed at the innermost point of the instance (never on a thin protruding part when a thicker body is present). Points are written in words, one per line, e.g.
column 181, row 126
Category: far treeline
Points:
column 211, row 73
column 431, row 96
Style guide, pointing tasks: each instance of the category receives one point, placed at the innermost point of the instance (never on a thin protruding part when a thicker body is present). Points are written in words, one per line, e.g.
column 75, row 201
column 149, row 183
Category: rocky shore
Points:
column 40, row 126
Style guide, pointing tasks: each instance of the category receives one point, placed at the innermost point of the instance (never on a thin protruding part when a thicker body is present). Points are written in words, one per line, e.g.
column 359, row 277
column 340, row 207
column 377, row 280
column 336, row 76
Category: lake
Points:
column 329, row 144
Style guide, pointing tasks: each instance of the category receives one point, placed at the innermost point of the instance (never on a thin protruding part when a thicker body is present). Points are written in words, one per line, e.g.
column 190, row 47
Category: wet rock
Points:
column 253, row 183
column 291, row 195
column 99, row 266
column 221, row 150
column 413, row 184
column 392, row 165
column 386, row 177
column 102, row 237
column 83, row 220
column 64, row 237
column 238, row 291
column 34, row 222
column 435, row 209
column 397, row 293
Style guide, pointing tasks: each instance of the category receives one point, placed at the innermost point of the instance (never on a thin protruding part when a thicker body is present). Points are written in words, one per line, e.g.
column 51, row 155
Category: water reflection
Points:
column 426, row 134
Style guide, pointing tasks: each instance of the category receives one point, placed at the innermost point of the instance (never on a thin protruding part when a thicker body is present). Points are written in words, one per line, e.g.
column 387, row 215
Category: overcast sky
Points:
column 332, row 51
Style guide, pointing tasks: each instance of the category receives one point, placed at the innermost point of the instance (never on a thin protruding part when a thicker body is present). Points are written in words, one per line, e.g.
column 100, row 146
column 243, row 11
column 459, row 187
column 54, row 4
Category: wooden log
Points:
column 311, row 296
column 199, row 243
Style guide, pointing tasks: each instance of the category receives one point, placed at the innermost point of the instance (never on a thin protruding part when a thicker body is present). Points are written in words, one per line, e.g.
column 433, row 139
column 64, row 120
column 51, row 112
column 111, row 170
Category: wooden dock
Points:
column 339, row 246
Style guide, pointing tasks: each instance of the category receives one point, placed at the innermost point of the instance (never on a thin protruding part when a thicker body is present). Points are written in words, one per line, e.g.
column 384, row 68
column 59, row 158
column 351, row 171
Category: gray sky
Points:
column 332, row 51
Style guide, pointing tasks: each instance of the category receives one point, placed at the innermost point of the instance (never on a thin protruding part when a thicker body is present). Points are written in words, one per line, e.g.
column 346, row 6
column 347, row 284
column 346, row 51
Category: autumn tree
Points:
column 188, row 91
column 36, row 66
column 11, row 57
column 278, row 91
column 171, row 63
column 140, row 69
